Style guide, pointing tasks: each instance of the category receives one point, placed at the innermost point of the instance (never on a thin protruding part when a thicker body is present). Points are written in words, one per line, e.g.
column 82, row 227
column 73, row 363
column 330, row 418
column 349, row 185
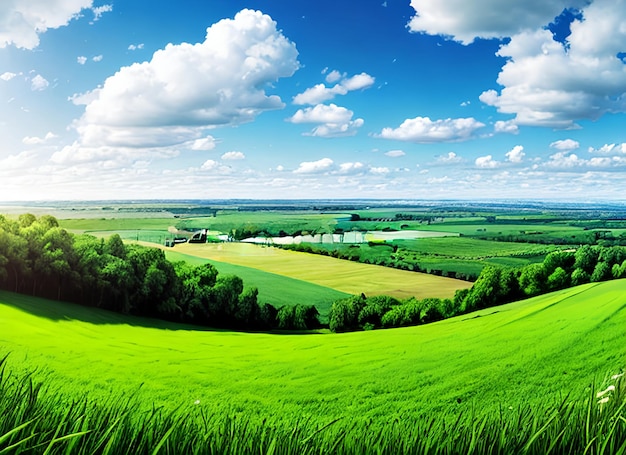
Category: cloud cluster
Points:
column 320, row 93
column 464, row 21
column 425, row 130
column 22, row 21
column 186, row 88
column 331, row 120
column 554, row 84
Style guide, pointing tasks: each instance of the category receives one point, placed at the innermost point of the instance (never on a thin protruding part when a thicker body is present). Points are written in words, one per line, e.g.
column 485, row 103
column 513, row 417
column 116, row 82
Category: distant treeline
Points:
column 494, row 286
column 39, row 258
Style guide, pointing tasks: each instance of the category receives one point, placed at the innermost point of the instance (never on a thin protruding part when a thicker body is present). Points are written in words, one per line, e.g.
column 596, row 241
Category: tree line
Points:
column 39, row 258
column 494, row 286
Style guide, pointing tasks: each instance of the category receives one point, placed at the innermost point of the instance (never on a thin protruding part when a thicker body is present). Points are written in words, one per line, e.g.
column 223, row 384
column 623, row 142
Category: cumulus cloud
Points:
column 465, row 21
column 7, row 76
column 549, row 83
column 39, row 140
column 395, row 153
column 449, row 158
column 351, row 168
column 508, row 126
column 209, row 165
column 81, row 59
column 98, row 58
column 425, row 130
column 134, row 47
column 486, row 162
column 320, row 93
column 567, row 145
column 314, row 167
column 187, row 88
column 516, row 154
column 609, row 149
column 233, row 156
column 332, row 120
column 205, row 143
column 98, row 11
column 38, row 83
column 24, row 20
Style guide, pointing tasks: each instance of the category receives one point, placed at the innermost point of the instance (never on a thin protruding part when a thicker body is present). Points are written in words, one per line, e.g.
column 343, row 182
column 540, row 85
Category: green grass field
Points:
column 277, row 290
column 517, row 354
column 345, row 276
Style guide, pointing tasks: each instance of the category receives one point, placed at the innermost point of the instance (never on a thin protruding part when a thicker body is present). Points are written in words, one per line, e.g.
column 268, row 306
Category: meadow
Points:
column 344, row 276
column 490, row 368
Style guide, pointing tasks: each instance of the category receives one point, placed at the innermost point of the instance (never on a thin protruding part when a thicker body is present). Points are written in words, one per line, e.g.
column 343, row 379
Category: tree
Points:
column 559, row 279
column 601, row 272
column 532, row 279
column 586, row 258
column 579, row 276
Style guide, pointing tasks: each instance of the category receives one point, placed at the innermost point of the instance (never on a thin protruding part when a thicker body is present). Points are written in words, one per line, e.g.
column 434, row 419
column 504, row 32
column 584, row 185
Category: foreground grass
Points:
column 344, row 276
column 36, row 420
column 521, row 354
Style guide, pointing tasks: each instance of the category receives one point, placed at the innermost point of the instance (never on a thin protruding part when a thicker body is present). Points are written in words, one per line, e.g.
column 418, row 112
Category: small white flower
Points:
column 604, row 392
column 616, row 376
column 604, row 400
column 197, row 402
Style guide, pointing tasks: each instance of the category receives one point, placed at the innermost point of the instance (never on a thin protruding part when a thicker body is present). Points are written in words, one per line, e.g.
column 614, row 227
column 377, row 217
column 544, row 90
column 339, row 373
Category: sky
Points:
column 276, row 99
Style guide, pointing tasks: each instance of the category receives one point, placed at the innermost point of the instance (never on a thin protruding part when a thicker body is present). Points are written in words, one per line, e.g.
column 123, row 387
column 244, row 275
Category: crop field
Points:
column 498, row 360
column 469, row 248
column 275, row 289
column 344, row 276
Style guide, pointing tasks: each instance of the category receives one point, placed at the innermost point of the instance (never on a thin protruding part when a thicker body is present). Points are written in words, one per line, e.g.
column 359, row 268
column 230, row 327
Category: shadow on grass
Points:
column 64, row 311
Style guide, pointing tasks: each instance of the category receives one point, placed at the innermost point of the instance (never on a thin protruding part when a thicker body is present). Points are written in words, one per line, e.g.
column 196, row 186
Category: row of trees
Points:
column 39, row 258
column 494, row 286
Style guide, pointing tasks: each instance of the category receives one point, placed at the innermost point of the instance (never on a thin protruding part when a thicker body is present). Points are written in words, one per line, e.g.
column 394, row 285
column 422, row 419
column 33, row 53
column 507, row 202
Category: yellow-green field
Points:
column 344, row 276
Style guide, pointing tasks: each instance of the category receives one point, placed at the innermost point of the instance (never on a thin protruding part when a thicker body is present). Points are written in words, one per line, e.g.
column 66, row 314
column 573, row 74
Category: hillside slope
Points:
column 515, row 354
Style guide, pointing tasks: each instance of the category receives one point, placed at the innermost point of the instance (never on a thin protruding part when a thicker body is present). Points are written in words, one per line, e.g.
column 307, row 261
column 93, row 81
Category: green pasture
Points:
column 271, row 222
column 470, row 248
column 344, row 276
column 277, row 290
column 526, row 353
column 117, row 223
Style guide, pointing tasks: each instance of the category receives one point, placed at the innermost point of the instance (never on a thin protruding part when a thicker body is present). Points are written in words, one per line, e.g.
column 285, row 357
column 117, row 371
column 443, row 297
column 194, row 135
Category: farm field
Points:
column 524, row 353
column 344, row 276
column 275, row 289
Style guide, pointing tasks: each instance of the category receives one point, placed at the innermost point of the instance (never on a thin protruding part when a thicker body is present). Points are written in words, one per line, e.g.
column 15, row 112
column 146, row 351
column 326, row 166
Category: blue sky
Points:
column 410, row 99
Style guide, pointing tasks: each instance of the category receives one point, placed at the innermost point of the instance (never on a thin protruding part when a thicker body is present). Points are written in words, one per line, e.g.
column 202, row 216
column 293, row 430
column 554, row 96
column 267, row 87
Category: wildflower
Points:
column 197, row 402
column 604, row 392
column 616, row 376
column 604, row 400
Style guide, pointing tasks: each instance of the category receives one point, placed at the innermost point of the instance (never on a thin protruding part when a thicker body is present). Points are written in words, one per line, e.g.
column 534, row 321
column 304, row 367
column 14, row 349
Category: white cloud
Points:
column 547, row 83
column 24, row 20
column 395, row 153
column 98, row 58
column 81, row 59
column 39, row 140
column 486, row 162
column 332, row 120
column 314, row 167
column 351, row 168
column 22, row 160
column 7, row 76
column 98, row 11
column 334, row 76
column 209, row 165
column 609, row 148
column 233, row 156
column 320, row 93
column 205, row 143
column 450, row 158
column 507, row 126
column 425, row 130
column 465, row 21
column 39, row 83
column 134, row 47
column 516, row 154
column 379, row 170
column 567, row 145
column 187, row 88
